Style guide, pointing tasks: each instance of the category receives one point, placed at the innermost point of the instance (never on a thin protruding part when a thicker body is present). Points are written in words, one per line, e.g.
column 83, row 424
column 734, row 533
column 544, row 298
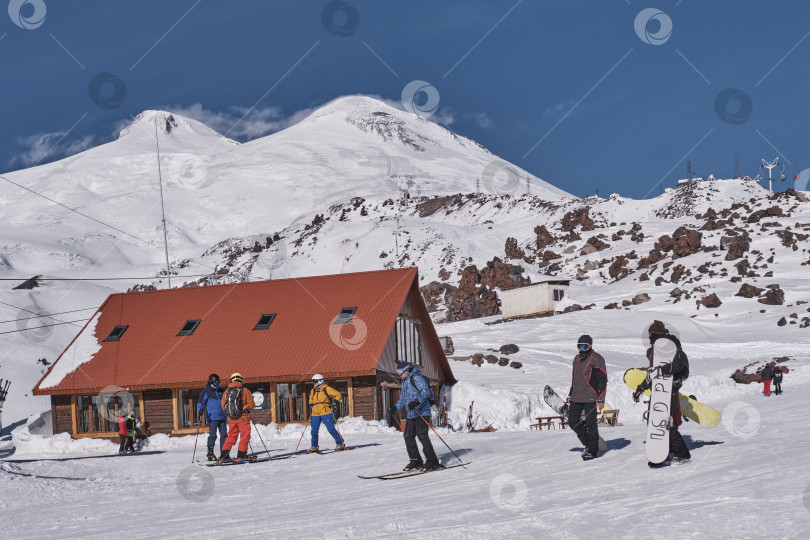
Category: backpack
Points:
column 233, row 402
column 430, row 397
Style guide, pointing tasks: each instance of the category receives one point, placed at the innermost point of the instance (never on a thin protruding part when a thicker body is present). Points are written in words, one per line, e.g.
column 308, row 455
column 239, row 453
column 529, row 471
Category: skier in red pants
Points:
column 237, row 402
column 767, row 376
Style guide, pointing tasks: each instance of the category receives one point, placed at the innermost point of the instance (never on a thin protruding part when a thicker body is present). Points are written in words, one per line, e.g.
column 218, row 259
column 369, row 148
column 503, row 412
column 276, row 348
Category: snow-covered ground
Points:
column 748, row 476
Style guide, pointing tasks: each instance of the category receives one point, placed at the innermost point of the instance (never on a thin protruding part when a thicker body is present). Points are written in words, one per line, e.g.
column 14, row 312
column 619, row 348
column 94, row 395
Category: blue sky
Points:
column 576, row 92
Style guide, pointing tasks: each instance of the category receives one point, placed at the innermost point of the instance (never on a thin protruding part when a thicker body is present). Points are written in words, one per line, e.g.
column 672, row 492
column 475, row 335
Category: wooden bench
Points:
column 547, row 422
column 610, row 417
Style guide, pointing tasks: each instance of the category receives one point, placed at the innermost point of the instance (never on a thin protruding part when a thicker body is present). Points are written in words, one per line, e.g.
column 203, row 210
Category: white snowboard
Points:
column 659, row 415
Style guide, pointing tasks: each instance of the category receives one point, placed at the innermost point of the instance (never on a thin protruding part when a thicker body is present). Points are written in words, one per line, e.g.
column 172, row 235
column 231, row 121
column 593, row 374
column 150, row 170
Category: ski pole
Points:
column 260, row 437
column 302, row 435
column 197, row 436
column 342, row 440
column 440, row 438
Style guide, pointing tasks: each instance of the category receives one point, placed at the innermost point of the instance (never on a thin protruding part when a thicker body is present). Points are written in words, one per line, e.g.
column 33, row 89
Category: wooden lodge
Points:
column 153, row 351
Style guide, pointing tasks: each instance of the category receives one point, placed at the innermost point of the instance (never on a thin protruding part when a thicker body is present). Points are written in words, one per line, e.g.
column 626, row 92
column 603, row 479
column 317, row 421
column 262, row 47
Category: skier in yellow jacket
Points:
column 320, row 411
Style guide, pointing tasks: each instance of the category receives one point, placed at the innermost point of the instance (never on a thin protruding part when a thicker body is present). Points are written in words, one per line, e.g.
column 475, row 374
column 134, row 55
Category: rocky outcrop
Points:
column 509, row 348
column 475, row 295
column 710, row 301
column 544, row 238
column 774, row 297
column 749, row 291
column 511, row 249
column 735, row 245
column 577, row 218
column 685, row 242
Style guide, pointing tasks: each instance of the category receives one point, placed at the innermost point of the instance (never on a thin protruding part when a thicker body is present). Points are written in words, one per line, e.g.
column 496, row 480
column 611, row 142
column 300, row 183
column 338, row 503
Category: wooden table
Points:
column 547, row 422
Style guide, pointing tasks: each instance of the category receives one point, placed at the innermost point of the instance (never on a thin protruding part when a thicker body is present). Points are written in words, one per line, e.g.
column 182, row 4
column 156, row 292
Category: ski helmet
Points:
column 402, row 367
column 767, row 364
column 317, row 379
column 213, row 379
column 237, row 377
column 585, row 342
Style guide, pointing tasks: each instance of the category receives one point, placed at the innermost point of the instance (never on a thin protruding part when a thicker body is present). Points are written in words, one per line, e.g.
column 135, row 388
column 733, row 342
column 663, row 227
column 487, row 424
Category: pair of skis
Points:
column 405, row 474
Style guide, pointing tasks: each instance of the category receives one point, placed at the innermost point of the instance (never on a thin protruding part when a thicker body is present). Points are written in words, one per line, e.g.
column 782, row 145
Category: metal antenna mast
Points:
column 770, row 166
column 162, row 207
column 737, row 166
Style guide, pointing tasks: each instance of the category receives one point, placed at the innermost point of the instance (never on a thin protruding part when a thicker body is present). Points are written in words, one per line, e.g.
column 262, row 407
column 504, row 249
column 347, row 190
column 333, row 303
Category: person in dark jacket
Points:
column 777, row 380
column 415, row 395
column 678, row 369
column 130, row 423
column 210, row 401
column 767, row 376
column 587, row 395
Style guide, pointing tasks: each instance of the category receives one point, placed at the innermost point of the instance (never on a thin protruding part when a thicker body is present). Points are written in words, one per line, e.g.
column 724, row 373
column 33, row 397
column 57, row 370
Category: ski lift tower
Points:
column 770, row 166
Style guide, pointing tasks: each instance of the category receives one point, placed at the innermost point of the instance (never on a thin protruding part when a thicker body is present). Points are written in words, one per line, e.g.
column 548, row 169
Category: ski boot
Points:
column 414, row 465
column 340, row 447
column 313, row 450
column 243, row 456
column 680, row 460
column 210, row 456
column 225, row 457
column 433, row 466
column 587, row 456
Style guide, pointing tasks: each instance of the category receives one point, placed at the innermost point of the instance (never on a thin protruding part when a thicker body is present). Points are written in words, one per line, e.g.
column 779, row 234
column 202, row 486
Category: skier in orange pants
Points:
column 237, row 402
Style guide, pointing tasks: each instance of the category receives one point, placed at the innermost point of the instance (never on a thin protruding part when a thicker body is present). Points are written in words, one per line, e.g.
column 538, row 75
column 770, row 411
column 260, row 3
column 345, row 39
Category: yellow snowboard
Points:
column 690, row 408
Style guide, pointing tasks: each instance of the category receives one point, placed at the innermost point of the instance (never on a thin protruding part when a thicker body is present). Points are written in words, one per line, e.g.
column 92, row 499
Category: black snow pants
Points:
column 123, row 439
column 587, row 430
column 676, row 443
column 777, row 388
column 416, row 428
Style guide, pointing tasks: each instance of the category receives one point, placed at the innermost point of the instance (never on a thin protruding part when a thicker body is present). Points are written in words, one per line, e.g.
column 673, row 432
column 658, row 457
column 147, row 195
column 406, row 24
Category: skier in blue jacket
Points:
column 415, row 396
column 210, row 400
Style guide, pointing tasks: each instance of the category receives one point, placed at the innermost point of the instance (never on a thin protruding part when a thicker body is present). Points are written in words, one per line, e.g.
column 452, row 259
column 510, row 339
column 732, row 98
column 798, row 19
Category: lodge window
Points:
column 265, row 321
column 345, row 315
column 189, row 328
column 100, row 413
column 409, row 348
column 290, row 405
column 261, row 396
column 187, row 409
column 559, row 294
column 116, row 333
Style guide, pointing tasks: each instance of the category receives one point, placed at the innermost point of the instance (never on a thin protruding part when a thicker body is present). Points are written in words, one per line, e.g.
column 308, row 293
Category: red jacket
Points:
column 122, row 425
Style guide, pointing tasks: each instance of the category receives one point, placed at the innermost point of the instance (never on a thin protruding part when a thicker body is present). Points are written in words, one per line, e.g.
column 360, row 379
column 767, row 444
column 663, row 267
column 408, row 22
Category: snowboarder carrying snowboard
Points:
column 321, row 412
column 587, row 394
column 237, row 402
column 210, row 401
column 777, row 380
column 678, row 369
column 415, row 395
column 767, row 376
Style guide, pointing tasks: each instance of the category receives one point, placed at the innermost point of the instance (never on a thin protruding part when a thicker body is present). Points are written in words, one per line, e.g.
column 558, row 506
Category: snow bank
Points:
column 80, row 351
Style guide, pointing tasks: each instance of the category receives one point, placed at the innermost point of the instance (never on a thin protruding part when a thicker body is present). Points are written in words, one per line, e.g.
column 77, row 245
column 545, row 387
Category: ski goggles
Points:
column 215, row 384
column 583, row 346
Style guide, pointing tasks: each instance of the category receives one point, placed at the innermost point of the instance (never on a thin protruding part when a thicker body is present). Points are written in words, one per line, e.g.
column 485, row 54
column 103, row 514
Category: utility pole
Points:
column 689, row 169
column 737, row 166
column 770, row 166
column 162, row 207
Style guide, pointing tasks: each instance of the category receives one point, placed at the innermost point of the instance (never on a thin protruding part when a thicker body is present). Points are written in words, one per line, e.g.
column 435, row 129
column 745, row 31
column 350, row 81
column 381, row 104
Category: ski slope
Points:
column 520, row 481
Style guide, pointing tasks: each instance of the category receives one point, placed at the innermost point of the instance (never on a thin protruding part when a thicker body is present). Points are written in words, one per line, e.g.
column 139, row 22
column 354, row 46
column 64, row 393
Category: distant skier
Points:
column 777, row 380
column 767, row 376
column 678, row 369
column 122, row 434
column 321, row 412
column 587, row 395
column 415, row 395
column 237, row 402
column 130, row 424
column 210, row 401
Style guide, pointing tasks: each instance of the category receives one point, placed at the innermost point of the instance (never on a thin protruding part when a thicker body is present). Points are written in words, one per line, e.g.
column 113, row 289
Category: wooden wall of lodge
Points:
column 158, row 407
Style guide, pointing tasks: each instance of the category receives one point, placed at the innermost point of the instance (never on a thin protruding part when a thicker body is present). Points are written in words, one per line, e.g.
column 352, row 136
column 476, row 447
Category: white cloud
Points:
column 481, row 118
column 560, row 109
column 49, row 146
column 242, row 123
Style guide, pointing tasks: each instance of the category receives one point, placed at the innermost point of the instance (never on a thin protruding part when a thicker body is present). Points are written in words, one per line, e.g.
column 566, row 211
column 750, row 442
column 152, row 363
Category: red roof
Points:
column 301, row 340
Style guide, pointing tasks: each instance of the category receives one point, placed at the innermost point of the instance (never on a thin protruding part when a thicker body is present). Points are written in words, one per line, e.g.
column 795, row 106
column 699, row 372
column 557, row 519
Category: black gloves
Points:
column 392, row 410
column 413, row 404
column 637, row 394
